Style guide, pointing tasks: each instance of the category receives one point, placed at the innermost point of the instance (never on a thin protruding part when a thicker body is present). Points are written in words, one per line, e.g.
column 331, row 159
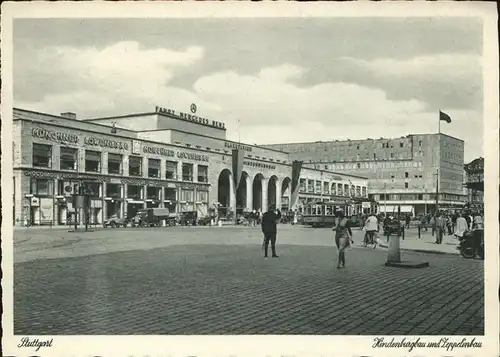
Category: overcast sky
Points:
column 285, row 80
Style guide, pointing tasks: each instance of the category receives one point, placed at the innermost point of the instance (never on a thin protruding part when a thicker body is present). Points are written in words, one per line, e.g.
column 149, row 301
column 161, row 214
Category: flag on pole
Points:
column 296, row 168
column 445, row 117
column 237, row 157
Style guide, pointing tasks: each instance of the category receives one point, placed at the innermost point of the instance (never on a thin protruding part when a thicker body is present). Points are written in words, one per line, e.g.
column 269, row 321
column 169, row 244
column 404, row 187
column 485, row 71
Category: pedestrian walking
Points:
column 371, row 228
column 269, row 228
column 449, row 225
column 423, row 223
column 408, row 219
column 440, row 228
column 461, row 226
column 343, row 236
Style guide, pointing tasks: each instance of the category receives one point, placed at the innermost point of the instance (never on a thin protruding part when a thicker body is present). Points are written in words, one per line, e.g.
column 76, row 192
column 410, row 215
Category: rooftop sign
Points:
column 190, row 117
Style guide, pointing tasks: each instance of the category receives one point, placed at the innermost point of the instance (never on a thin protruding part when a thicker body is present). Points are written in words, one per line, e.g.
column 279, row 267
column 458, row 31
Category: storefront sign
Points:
column 191, row 118
column 262, row 165
column 237, row 146
column 192, row 156
column 65, row 176
column 158, row 151
column 171, row 153
column 105, row 143
column 142, row 182
column 192, row 186
column 55, row 136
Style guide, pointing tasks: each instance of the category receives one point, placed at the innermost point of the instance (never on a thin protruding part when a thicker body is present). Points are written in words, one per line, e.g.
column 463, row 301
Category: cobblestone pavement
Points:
column 215, row 281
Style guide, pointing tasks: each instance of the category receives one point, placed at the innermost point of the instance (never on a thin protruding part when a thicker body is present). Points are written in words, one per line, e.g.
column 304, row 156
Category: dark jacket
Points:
column 269, row 220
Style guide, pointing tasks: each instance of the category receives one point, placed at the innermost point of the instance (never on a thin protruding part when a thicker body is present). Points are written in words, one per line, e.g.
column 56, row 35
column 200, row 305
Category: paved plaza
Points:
column 215, row 281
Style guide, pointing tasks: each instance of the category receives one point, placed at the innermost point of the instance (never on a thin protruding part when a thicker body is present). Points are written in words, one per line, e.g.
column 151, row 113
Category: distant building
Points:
column 474, row 182
column 401, row 171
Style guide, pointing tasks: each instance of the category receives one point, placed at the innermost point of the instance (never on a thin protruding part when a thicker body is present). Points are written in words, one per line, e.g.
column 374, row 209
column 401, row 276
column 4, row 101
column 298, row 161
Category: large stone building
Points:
column 158, row 159
column 402, row 171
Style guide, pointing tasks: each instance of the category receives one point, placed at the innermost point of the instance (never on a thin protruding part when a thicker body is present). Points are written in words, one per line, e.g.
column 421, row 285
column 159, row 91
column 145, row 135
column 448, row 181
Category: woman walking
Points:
column 343, row 236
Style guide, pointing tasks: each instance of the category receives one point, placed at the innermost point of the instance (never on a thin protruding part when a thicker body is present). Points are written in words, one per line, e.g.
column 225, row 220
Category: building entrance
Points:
column 241, row 194
column 224, row 192
column 271, row 191
column 257, row 192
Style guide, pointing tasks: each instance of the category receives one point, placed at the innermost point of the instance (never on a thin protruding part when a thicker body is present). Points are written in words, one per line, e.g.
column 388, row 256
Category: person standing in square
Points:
column 269, row 228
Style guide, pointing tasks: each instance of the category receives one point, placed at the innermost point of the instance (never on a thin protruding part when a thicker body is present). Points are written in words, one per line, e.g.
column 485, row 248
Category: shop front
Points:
column 135, row 199
column 153, row 196
column 113, row 200
column 170, row 200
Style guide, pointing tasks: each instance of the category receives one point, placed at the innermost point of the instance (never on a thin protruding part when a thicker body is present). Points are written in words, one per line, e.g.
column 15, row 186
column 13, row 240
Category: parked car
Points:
column 205, row 221
column 114, row 222
column 188, row 218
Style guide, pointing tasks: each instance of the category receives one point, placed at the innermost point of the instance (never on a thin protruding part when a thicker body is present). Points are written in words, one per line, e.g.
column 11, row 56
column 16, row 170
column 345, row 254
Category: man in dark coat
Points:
column 269, row 220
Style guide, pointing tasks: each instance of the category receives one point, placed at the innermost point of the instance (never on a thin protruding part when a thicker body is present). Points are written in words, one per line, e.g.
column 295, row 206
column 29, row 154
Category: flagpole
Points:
column 239, row 138
column 437, row 190
column 439, row 122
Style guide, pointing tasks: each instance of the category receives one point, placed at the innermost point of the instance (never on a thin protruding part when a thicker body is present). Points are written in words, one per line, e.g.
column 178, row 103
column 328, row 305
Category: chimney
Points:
column 69, row 115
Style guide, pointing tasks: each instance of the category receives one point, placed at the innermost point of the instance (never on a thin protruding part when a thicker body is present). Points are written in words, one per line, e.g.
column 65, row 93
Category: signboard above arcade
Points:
column 191, row 117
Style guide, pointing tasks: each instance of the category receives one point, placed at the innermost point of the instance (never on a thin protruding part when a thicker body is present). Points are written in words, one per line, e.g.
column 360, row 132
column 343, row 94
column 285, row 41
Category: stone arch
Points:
column 257, row 191
column 224, row 191
column 272, row 188
column 241, row 193
column 286, row 193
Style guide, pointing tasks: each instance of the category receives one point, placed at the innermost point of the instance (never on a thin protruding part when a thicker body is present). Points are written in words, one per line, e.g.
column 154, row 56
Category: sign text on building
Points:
column 158, row 151
column 105, row 143
column 192, row 156
column 237, row 146
column 170, row 153
column 259, row 164
column 191, row 118
column 55, row 136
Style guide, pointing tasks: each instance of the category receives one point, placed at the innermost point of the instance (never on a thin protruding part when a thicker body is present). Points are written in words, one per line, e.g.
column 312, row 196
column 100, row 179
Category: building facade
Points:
column 158, row 159
column 404, row 172
column 474, row 183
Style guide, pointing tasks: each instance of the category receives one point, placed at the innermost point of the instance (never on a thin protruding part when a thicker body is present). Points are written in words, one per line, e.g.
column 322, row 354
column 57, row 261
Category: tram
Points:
column 322, row 214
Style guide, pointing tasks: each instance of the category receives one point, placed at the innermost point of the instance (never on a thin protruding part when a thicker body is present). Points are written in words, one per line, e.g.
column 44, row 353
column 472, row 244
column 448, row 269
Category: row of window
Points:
column 42, row 157
column 341, row 146
column 373, row 165
column 343, row 157
column 45, row 187
column 417, row 197
column 335, row 189
column 452, row 156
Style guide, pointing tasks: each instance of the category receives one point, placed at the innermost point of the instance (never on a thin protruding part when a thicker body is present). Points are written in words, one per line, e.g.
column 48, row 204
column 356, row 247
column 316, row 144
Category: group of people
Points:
column 342, row 229
column 453, row 224
column 441, row 222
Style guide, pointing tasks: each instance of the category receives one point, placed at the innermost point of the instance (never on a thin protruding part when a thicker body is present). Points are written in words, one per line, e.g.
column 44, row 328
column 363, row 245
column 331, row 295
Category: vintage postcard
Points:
column 250, row 179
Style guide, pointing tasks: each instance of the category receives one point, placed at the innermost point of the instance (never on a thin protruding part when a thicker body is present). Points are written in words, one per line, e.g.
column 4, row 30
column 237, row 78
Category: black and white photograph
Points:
column 261, row 175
